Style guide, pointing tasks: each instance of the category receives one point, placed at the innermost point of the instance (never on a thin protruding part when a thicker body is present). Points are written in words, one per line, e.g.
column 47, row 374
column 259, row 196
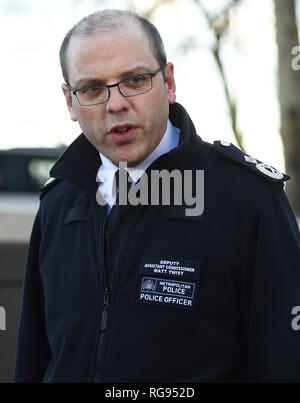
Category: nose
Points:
column 117, row 102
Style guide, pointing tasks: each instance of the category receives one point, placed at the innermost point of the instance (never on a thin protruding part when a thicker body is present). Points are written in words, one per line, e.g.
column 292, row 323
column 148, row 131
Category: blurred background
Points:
column 236, row 68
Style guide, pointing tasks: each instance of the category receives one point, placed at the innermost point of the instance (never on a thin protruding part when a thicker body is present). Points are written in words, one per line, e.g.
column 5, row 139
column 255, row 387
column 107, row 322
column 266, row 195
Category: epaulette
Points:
column 51, row 182
column 268, row 172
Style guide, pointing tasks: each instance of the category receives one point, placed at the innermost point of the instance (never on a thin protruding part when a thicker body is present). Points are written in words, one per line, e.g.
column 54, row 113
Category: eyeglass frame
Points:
column 108, row 86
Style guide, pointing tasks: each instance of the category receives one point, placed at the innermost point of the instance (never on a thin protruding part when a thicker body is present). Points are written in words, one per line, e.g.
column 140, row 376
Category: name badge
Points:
column 172, row 268
column 167, row 292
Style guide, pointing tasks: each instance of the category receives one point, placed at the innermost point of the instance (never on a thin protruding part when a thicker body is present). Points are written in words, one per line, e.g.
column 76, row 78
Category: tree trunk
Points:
column 289, row 95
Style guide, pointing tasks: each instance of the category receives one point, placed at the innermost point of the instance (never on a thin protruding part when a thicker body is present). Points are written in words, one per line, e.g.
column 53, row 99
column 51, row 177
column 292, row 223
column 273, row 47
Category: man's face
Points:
column 106, row 59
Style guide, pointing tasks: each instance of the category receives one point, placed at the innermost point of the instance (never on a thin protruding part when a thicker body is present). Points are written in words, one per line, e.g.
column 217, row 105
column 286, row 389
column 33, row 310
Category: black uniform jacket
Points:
column 162, row 296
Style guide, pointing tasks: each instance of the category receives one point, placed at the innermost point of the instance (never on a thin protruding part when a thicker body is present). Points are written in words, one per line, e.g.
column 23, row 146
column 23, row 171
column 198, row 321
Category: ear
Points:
column 170, row 83
column 69, row 101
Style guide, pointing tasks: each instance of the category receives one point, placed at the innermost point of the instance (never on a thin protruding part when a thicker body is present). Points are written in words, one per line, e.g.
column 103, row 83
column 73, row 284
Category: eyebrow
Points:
column 134, row 70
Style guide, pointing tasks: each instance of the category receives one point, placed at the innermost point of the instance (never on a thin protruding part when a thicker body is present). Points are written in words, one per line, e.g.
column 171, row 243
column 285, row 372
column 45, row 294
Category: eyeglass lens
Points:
column 99, row 94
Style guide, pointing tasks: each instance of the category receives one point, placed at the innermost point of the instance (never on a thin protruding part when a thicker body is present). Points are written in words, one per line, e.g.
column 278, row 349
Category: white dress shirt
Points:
column 107, row 170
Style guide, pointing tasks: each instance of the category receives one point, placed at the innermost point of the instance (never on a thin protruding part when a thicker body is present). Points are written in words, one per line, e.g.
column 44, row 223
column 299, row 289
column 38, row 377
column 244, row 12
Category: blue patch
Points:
column 167, row 292
column 172, row 268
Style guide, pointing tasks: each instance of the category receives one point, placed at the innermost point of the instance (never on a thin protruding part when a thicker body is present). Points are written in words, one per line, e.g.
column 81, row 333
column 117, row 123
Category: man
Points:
column 148, row 293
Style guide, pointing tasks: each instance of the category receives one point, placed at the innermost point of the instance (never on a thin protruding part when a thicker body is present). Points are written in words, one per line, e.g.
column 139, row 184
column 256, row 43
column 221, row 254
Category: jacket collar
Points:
column 80, row 162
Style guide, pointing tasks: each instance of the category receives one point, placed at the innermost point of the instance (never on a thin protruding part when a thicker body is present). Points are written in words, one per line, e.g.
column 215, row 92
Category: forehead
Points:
column 108, row 54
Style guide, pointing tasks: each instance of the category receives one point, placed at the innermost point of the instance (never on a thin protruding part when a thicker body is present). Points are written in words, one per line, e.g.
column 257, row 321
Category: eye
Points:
column 91, row 91
column 137, row 81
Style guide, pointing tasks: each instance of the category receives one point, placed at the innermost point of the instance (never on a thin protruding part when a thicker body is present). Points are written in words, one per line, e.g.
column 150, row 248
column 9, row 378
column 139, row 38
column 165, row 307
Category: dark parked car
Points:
column 22, row 174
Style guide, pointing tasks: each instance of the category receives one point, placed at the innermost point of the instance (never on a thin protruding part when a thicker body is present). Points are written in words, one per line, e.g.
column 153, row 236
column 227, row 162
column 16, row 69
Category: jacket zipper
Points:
column 106, row 300
column 106, row 304
column 104, row 316
column 105, row 308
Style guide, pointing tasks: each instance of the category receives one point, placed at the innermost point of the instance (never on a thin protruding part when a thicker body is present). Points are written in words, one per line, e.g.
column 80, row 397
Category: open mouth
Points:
column 123, row 133
column 122, row 129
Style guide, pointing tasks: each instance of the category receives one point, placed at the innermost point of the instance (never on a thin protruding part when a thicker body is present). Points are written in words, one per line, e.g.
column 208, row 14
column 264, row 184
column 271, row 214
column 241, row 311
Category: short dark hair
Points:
column 105, row 21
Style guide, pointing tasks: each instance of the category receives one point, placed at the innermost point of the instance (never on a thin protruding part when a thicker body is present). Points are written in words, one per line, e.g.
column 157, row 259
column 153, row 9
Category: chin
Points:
column 132, row 164
column 130, row 159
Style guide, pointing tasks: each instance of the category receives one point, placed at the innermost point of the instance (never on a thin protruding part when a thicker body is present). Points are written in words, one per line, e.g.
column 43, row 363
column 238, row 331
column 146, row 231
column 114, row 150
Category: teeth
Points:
column 122, row 130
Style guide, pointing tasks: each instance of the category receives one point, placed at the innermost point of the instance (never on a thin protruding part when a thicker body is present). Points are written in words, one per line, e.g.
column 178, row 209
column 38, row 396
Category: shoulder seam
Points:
column 48, row 186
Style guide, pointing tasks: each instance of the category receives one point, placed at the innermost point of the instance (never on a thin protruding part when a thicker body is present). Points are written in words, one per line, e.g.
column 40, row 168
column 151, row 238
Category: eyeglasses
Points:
column 130, row 87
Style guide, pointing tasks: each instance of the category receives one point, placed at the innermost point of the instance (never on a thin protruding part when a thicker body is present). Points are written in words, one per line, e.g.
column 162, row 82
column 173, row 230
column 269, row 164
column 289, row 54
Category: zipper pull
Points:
column 104, row 316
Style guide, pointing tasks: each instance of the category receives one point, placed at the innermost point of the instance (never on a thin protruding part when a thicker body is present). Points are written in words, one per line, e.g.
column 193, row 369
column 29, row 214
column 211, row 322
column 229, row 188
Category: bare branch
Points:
column 219, row 25
column 158, row 3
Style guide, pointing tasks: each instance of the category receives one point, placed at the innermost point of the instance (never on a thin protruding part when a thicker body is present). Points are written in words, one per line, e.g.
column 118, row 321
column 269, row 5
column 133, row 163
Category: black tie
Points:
column 115, row 210
column 112, row 236
column 122, row 185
